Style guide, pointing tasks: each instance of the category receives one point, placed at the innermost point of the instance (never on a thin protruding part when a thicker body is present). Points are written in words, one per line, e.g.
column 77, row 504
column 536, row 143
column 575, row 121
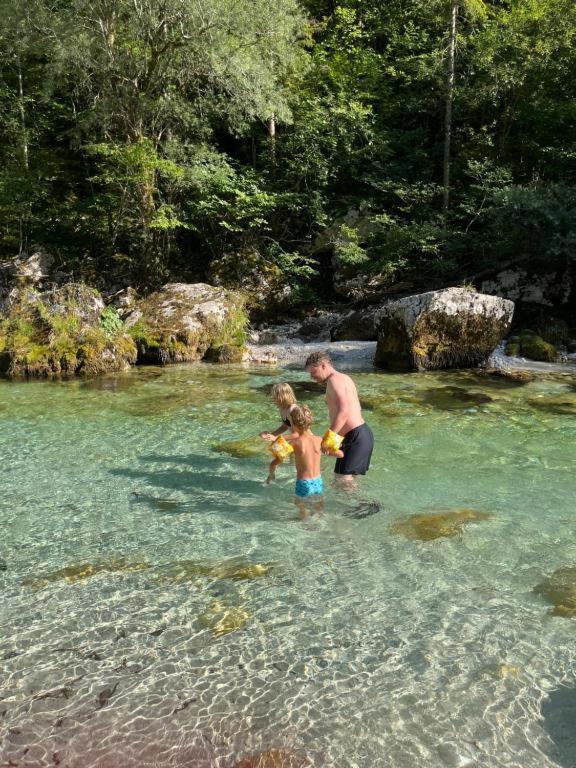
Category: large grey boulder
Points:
column 452, row 328
column 182, row 322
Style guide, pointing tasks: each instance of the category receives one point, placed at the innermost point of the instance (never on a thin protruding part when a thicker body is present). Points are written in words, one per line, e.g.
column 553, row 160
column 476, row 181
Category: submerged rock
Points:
column 274, row 758
column 511, row 375
column 453, row 398
column 81, row 571
column 563, row 405
column 248, row 448
column 64, row 331
column 427, row 526
column 560, row 590
column 223, row 619
column 183, row 321
column 183, row 571
column 453, row 328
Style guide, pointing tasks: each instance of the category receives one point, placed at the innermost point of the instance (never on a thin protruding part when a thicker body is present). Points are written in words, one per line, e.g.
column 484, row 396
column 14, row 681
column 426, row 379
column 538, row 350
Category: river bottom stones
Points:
column 175, row 573
column 274, row 758
column 82, row 571
column 560, row 590
column 183, row 571
column 222, row 618
column 427, row 526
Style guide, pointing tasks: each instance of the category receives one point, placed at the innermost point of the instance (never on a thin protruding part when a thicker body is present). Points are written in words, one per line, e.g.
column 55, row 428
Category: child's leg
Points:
column 319, row 505
column 303, row 512
column 272, row 470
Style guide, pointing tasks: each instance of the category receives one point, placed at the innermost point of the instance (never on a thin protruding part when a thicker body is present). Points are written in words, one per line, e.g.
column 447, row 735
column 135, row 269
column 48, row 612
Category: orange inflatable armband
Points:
column 331, row 441
column 281, row 448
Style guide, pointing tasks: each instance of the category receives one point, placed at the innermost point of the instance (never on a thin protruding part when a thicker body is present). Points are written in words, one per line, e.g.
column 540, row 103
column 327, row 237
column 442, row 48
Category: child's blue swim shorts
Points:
column 312, row 487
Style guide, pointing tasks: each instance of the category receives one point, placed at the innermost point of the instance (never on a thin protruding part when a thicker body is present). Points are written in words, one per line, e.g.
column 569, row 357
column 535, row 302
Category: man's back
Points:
column 341, row 395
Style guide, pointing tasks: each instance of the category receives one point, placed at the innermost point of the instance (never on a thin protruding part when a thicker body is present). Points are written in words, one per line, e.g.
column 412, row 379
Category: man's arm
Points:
column 340, row 400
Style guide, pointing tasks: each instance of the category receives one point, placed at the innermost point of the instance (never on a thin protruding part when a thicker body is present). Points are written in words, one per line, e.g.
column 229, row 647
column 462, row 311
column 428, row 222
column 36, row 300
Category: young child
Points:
column 284, row 398
column 307, row 452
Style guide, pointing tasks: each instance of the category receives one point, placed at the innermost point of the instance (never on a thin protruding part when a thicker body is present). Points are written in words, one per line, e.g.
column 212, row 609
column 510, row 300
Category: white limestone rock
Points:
column 452, row 328
column 183, row 321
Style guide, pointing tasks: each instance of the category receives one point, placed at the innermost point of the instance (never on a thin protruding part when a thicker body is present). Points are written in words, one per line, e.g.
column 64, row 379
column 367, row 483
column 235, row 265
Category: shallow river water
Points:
column 162, row 606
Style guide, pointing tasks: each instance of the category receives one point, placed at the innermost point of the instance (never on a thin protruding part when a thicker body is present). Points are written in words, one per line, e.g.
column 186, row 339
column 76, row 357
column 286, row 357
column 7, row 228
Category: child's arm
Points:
column 271, row 436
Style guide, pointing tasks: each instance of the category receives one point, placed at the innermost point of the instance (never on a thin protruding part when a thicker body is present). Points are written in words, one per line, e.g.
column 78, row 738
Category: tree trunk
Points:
column 449, row 101
column 22, row 116
column 271, row 126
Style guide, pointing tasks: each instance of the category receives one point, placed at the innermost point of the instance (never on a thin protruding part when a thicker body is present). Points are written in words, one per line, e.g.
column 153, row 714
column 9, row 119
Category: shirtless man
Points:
column 345, row 417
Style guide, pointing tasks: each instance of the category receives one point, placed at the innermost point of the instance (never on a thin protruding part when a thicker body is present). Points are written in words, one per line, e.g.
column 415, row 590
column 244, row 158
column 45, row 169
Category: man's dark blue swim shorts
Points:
column 357, row 446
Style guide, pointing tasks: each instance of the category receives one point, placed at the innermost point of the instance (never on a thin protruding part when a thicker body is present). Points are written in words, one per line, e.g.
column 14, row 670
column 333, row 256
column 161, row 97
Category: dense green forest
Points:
column 146, row 140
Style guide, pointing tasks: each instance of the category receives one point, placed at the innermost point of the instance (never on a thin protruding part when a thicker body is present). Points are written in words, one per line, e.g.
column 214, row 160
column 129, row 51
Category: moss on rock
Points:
column 513, row 348
column 58, row 333
column 226, row 353
column 453, row 328
column 535, row 348
column 428, row 526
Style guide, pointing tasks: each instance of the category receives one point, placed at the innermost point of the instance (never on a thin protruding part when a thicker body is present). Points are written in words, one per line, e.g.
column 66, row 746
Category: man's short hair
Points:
column 316, row 359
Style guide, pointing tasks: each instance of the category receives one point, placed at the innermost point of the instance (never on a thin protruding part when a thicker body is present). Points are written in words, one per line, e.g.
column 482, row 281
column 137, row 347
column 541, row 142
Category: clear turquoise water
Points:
column 356, row 646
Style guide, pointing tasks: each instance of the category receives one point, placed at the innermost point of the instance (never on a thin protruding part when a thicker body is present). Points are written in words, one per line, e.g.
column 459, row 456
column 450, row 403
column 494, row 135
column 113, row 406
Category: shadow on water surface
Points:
column 209, row 490
column 558, row 718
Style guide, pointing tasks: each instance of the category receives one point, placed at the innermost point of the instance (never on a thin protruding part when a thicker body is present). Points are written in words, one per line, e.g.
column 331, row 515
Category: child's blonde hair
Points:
column 301, row 417
column 283, row 395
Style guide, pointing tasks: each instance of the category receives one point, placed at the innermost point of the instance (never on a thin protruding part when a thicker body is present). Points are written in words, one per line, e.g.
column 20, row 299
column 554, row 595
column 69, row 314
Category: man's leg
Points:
column 345, row 482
